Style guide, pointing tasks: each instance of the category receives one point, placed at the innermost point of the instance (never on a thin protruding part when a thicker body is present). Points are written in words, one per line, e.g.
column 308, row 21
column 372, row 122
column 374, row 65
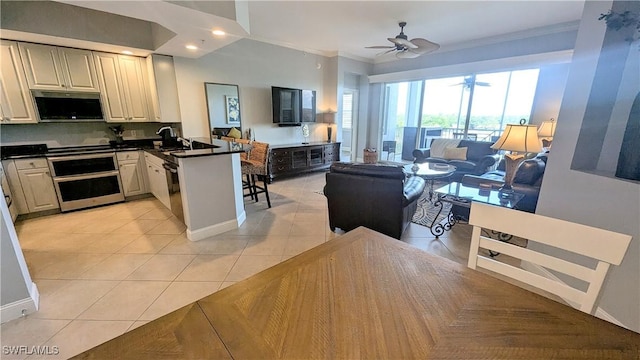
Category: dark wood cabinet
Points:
column 290, row 160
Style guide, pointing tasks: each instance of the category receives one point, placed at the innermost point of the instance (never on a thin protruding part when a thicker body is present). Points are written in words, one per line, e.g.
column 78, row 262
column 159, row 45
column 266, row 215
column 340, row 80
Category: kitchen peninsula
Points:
column 211, row 187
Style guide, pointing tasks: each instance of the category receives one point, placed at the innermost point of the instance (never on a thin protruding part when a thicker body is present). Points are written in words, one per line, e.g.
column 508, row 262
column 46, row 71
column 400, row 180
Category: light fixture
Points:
column 546, row 131
column 329, row 118
column 218, row 32
column 127, row 52
column 516, row 139
column 191, row 47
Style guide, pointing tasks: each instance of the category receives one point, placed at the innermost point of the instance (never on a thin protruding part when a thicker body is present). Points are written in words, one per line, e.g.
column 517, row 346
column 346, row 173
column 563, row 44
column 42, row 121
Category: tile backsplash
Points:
column 71, row 134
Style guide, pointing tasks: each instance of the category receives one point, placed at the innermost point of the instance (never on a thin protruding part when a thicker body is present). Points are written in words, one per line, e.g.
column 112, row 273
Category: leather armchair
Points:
column 379, row 197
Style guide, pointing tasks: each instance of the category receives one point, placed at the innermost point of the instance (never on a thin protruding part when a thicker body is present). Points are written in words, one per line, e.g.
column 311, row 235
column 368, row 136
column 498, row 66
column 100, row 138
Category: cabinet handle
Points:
column 32, row 164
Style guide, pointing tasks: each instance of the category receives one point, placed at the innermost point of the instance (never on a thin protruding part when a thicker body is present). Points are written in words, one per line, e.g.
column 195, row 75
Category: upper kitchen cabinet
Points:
column 16, row 106
column 163, row 89
column 56, row 68
column 123, row 87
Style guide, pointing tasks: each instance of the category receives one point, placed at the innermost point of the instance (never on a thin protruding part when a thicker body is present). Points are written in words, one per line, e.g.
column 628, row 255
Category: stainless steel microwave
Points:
column 68, row 106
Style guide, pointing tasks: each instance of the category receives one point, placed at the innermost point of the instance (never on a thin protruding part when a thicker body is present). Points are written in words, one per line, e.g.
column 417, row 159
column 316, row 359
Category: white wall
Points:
column 599, row 201
column 552, row 80
column 255, row 67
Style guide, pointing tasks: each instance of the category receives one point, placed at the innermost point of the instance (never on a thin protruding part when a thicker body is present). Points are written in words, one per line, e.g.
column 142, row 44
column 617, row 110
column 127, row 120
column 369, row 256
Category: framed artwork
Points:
column 233, row 109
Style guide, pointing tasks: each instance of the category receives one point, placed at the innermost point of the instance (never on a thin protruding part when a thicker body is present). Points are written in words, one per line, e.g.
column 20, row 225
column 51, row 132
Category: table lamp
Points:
column 516, row 139
column 546, row 131
column 329, row 118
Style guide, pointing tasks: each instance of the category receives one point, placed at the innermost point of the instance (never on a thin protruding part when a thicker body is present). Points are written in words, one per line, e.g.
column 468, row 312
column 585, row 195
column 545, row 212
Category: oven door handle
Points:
column 110, row 154
column 85, row 177
column 169, row 168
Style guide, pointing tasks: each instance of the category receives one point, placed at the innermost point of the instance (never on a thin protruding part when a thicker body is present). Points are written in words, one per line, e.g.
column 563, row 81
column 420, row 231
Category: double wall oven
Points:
column 86, row 179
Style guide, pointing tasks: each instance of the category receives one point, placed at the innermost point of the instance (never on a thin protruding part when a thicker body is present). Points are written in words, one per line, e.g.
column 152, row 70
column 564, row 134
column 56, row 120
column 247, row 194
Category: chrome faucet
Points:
column 186, row 142
column 172, row 132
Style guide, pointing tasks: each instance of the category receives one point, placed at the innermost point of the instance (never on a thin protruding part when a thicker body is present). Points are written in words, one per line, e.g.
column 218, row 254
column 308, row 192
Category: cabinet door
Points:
column 132, row 178
column 111, row 89
column 79, row 69
column 38, row 189
column 15, row 100
column 158, row 183
column 163, row 89
column 134, row 87
column 42, row 66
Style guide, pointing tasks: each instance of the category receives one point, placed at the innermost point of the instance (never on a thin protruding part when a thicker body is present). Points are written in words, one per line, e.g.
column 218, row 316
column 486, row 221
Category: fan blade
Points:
column 406, row 55
column 424, row 46
column 403, row 42
column 380, row 47
column 386, row 52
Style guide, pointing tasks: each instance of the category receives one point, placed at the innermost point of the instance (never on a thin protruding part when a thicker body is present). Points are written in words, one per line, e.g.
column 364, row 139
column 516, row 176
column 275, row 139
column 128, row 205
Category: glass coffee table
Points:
column 430, row 171
column 461, row 195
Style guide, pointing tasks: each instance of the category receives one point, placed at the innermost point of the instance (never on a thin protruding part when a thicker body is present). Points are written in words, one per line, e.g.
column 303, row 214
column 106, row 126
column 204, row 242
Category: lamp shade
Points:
column 547, row 129
column 329, row 118
column 519, row 138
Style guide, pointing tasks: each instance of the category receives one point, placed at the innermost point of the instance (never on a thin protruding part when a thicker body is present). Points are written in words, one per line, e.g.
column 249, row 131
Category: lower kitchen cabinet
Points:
column 37, row 184
column 157, row 179
column 132, row 173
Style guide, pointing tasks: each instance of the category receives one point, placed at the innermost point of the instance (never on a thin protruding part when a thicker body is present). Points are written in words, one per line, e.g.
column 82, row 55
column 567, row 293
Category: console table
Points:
column 294, row 159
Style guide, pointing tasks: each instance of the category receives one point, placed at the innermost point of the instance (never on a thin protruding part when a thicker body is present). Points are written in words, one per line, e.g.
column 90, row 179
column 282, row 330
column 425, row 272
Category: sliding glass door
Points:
column 472, row 106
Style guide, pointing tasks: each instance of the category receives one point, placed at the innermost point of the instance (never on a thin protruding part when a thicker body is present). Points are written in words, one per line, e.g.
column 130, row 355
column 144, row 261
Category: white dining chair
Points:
column 600, row 249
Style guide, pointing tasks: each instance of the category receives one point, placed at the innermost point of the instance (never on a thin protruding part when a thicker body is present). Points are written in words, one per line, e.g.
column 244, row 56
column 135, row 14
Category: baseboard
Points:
column 539, row 270
column 209, row 231
column 22, row 307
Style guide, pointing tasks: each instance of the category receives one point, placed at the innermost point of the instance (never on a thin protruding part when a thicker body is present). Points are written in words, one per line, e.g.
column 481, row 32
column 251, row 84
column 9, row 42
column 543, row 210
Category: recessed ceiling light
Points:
column 127, row 52
column 218, row 32
column 191, row 47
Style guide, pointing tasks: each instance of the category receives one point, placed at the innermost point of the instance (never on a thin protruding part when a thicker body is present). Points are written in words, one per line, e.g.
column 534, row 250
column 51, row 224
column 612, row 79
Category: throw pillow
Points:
column 234, row 133
column 455, row 153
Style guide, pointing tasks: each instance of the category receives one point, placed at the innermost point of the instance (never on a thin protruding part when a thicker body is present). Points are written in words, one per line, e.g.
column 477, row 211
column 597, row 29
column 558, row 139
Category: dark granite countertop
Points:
column 315, row 143
column 201, row 147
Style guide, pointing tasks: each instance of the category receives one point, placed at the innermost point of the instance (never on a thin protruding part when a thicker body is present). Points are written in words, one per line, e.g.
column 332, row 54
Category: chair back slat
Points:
column 549, row 262
column 602, row 246
column 580, row 239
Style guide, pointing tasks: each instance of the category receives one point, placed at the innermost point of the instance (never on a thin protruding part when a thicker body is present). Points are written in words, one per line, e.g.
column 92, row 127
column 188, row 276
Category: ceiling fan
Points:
column 405, row 48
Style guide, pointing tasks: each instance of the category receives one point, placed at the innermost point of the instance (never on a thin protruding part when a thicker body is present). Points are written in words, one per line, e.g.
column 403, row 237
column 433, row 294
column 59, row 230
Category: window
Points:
column 476, row 106
column 472, row 106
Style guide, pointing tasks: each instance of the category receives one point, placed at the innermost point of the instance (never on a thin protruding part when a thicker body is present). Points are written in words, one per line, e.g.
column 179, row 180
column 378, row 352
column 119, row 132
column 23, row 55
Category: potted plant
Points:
column 118, row 130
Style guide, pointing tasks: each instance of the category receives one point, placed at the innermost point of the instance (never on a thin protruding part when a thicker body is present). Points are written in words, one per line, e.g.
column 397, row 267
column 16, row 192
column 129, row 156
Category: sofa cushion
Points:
column 439, row 145
column 529, row 171
column 459, row 153
column 476, row 149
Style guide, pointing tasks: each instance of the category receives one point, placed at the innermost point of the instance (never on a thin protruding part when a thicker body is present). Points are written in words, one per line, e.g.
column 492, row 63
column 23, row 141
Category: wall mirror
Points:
column 223, row 107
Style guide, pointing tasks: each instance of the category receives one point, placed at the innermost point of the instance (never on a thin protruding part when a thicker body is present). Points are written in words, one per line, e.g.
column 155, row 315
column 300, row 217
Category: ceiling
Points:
column 333, row 27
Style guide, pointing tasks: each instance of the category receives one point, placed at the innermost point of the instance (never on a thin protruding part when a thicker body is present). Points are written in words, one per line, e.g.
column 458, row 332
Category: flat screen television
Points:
column 292, row 107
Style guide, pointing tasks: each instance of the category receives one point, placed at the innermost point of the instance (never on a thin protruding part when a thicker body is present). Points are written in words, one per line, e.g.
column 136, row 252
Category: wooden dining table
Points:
column 366, row 295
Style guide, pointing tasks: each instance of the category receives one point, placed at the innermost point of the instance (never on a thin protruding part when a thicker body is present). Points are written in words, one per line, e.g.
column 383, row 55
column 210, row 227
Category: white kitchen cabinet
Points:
column 37, row 184
column 123, row 86
column 57, row 68
column 132, row 173
column 163, row 89
column 16, row 105
column 157, row 179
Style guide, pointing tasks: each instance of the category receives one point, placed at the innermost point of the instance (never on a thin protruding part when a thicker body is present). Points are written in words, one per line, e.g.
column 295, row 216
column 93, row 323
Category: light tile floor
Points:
column 104, row 271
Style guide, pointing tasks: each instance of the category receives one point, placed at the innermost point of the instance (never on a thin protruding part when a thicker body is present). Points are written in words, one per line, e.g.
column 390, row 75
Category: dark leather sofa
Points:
column 480, row 158
column 527, row 180
column 379, row 197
